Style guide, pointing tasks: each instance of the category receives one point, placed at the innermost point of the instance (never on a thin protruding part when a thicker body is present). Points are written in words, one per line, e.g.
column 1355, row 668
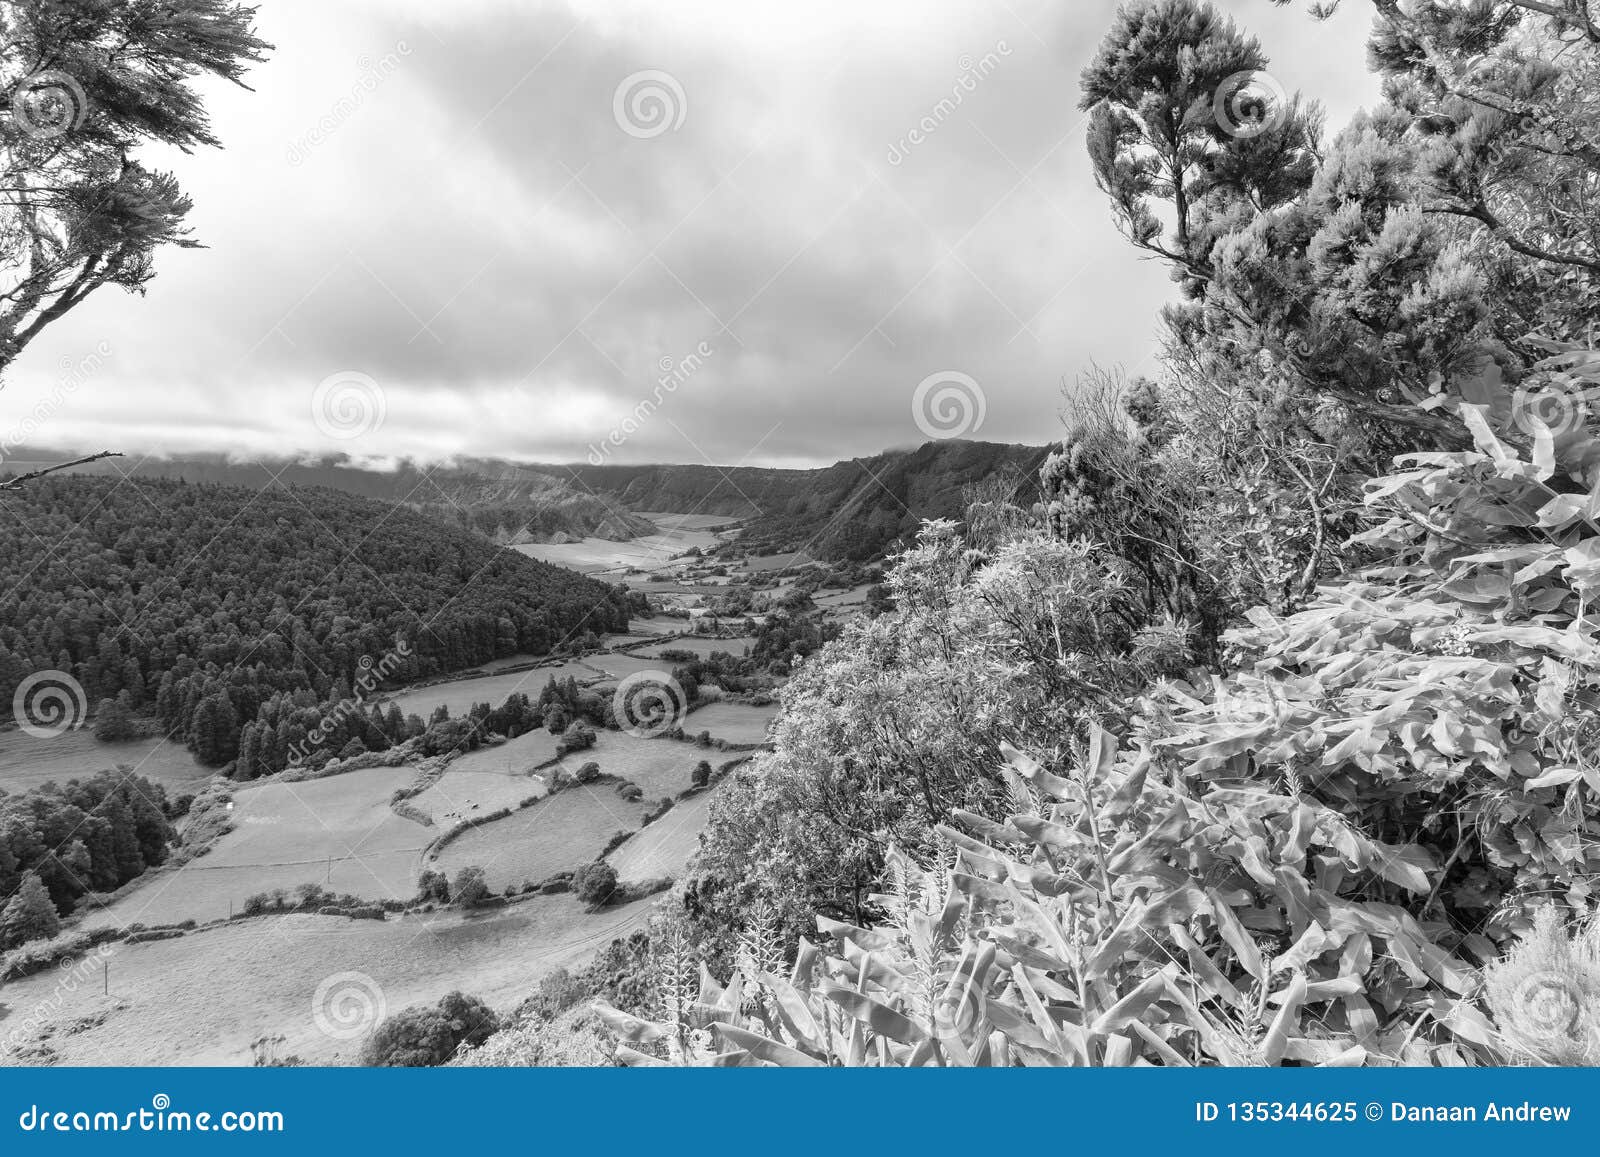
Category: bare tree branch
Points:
column 17, row 482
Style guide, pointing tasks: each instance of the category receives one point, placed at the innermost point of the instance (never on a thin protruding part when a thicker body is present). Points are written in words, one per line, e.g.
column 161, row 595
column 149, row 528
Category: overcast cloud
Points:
column 440, row 197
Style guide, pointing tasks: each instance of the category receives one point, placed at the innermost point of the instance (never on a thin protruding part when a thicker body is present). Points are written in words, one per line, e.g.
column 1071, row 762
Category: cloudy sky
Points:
column 442, row 228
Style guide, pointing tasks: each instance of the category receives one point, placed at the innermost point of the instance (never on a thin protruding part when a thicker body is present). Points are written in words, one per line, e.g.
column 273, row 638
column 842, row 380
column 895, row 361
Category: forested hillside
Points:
column 500, row 500
column 852, row 510
column 198, row 603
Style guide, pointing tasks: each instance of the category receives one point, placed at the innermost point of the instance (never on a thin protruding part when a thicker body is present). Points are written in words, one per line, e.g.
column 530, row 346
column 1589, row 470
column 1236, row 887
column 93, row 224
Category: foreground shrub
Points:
column 423, row 1035
column 1545, row 994
column 1119, row 917
column 575, row 1037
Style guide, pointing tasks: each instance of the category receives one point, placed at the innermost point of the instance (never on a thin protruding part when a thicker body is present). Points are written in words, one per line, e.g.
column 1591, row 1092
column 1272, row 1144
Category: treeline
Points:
column 294, row 729
column 59, row 843
column 781, row 641
column 203, row 604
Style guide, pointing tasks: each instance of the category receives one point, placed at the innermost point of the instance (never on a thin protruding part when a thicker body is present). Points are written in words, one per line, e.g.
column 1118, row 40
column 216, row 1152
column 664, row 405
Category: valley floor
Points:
column 203, row 997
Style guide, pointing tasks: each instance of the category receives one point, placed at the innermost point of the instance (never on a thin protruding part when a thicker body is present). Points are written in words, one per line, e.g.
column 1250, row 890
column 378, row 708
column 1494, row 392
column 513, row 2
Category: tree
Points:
column 595, row 883
column 579, row 736
column 216, row 730
column 433, row 886
column 29, row 915
column 1173, row 117
column 701, row 775
column 90, row 82
column 471, row 886
column 900, row 719
column 423, row 1036
column 113, row 721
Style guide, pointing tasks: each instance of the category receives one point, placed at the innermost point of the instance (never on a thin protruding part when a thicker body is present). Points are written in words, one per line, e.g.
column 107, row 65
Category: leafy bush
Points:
column 433, row 885
column 28, row 915
column 579, row 736
column 595, row 883
column 470, row 887
column 430, row 1035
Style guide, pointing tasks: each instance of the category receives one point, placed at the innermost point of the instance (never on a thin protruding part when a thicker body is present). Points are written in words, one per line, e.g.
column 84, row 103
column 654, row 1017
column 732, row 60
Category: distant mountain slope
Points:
column 737, row 491
column 200, row 602
column 854, row 509
column 851, row 510
column 500, row 500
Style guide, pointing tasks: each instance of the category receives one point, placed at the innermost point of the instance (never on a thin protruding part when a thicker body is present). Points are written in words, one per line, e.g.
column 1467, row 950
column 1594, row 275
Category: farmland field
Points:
column 663, row 848
column 338, row 832
column 619, row 666
column 647, row 628
column 699, row 646
column 202, row 999
column 678, row 522
column 735, row 722
column 760, row 562
column 27, row 761
column 661, row 767
column 557, row 834
column 834, row 599
column 459, row 695
column 523, row 753
column 594, row 555
column 460, row 795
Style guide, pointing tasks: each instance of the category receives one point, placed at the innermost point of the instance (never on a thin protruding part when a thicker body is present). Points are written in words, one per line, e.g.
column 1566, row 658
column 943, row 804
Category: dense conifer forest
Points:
column 196, row 604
